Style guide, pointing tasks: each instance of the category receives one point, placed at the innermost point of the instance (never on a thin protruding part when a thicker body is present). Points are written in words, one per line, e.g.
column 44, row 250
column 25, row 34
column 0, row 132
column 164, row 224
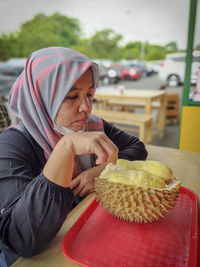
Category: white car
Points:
column 155, row 65
column 172, row 70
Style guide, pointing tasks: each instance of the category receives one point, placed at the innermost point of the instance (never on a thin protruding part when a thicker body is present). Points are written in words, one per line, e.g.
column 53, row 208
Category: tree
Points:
column 132, row 50
column 103, row 44
column 43, row 31
column 172, row 47
column 8, row 44
column 155, row 52
column 4, row 48
column 143, row 51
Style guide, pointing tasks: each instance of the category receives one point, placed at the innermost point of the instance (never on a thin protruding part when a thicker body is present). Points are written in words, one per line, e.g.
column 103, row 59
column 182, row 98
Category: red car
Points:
column 128, row 72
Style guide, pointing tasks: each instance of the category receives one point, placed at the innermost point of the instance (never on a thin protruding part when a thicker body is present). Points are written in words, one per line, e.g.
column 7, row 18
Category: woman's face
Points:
column 77, row 105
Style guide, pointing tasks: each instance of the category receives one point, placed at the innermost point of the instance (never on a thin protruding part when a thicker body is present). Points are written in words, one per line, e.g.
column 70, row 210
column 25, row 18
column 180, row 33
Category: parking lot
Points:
column 152, row 83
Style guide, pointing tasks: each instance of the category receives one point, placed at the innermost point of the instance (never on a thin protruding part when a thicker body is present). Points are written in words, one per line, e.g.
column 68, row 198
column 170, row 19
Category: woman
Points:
column 50, row 160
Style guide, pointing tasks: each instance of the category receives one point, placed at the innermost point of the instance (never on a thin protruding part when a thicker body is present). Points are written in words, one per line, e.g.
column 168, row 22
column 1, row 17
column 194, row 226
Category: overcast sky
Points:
column 156, row 21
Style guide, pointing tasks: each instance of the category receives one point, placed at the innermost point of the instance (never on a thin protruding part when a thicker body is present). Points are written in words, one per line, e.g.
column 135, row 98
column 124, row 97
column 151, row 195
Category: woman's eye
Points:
column 72, row 97
column 89, row 95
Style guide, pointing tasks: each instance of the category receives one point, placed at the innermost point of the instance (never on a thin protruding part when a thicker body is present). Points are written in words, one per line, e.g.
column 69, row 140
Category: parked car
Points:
column 6, row 83
column 13, row 66
column 130, row 73
column 109, row 75
column 173, row 69
column 144, row 71
column 155, row 66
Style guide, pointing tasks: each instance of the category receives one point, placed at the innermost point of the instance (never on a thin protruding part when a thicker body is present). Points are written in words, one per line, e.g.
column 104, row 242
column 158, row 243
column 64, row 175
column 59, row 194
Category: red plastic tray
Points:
column 98, row 239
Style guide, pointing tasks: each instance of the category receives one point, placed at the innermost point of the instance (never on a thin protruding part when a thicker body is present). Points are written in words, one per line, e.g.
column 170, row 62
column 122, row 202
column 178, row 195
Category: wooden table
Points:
column 147, row 97
column 185, row 165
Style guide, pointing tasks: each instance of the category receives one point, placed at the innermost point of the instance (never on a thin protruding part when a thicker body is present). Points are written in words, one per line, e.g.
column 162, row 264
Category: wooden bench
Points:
column 130, row 106
column 143, row 121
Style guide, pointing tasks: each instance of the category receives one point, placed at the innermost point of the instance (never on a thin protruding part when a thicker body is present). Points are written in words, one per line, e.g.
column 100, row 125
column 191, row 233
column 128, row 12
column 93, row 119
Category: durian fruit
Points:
column 137, row 191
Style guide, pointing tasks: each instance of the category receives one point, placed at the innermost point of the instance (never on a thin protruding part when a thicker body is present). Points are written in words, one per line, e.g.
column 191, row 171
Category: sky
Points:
column 155, row 21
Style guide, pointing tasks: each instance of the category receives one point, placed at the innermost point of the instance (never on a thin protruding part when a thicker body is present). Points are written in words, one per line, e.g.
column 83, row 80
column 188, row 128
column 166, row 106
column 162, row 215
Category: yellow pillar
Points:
column 190, row 129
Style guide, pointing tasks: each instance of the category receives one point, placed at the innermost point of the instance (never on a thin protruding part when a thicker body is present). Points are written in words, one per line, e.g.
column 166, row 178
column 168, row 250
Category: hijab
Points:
column 39, row 91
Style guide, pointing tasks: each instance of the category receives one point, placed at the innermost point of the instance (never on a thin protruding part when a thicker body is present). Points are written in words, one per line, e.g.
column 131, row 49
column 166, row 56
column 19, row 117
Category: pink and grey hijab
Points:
column 41, row 88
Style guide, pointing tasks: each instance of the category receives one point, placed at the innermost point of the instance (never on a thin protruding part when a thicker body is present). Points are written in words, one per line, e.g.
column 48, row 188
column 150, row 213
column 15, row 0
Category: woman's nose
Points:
column 85, row 105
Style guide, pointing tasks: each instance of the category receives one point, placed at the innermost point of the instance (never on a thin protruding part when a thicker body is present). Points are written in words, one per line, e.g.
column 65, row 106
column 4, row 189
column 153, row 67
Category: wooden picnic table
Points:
column 145, row 98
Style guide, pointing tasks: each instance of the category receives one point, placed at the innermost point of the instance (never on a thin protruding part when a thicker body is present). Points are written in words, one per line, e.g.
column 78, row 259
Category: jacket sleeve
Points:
column 32, row 208
column 130, row 147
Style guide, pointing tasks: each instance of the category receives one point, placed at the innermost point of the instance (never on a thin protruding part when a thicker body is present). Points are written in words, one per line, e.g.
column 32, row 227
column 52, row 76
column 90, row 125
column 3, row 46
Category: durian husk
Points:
column 136, row 203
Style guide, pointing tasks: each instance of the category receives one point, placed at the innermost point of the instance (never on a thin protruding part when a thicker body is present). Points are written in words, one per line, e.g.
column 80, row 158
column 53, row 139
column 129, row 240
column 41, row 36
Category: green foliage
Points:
column 8, row 44
column 43, row 31
column 103, row 44
column 155, row 52
column 132, row 50
column 172, row 47
column 4, row 48
column 59, row 30
column 141, row 51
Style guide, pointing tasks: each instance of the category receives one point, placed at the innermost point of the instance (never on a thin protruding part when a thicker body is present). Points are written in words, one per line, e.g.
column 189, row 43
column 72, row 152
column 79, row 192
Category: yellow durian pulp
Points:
column 139, row 191
column 154, row 167
column 124, row 164
column 135, row 177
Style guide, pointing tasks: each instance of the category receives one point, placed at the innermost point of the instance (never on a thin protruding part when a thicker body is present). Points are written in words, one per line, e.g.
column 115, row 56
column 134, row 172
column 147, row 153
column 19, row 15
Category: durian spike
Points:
column 138, row 204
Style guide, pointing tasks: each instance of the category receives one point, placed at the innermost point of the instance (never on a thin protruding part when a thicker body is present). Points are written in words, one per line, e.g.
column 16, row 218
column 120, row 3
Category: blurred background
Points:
column 137, row 44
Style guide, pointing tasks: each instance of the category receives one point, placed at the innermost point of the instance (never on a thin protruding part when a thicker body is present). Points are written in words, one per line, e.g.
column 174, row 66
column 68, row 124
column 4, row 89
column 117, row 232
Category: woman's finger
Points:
column 77, row 189
column 101, row 153
column 89, row 188
column 83, row 192
column 75, row 182
column 110, row 151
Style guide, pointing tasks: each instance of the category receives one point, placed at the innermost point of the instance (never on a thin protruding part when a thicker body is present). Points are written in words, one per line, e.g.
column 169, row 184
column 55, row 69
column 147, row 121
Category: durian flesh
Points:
column 139, row 191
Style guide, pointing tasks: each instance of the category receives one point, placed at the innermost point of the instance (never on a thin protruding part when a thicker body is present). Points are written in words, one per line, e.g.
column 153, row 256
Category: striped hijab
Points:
column 39, row 91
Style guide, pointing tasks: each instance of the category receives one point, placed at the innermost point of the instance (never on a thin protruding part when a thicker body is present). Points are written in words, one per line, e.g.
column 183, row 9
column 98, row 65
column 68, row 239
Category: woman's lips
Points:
column 81, row 121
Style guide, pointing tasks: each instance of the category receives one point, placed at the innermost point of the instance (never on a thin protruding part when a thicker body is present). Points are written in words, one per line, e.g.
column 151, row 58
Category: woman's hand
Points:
column 83, row 184
column 59, row 167
column 94, row 143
